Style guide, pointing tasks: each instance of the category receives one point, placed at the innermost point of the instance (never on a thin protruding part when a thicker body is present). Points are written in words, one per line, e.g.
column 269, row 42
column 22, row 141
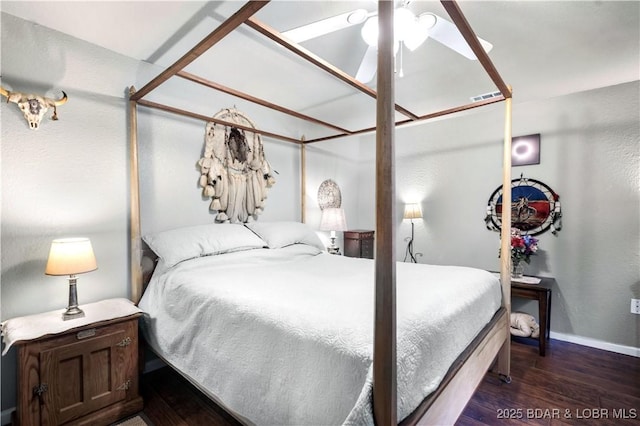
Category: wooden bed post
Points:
column 384, row 344
column 504, row 356
column 303, row 181
column 446, row 403
column 135, row 247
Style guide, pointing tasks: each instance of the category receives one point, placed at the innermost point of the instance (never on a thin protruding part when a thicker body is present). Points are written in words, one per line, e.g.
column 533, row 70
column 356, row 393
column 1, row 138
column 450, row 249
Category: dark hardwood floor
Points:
column 572, row 385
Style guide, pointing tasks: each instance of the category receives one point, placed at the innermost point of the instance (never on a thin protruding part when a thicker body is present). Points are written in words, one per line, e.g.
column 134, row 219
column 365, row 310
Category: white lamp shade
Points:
column 333, row 219
column 70, row 256
column 412, row 211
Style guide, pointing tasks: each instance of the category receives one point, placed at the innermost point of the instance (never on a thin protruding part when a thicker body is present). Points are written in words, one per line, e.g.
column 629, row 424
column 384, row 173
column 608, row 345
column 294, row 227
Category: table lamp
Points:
column 411, row 211
column 71, row 256
column 333, row 220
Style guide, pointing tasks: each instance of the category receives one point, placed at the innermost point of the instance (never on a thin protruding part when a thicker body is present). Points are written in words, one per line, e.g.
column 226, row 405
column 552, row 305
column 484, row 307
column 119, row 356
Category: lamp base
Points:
column 409, row 251
column 333, row 248
column 72, row 313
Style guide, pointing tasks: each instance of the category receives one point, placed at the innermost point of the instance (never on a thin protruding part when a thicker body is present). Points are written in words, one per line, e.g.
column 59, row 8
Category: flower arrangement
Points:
column 522, row 247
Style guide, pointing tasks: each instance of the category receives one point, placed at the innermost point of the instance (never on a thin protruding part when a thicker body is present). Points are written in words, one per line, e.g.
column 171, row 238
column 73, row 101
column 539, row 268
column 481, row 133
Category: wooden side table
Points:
column 83, row 375
column 542, row 293
column 358, row 243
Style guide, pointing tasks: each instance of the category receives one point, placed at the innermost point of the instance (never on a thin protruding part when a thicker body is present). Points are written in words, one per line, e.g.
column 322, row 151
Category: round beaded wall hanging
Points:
column 329, row 195
column 535, row 207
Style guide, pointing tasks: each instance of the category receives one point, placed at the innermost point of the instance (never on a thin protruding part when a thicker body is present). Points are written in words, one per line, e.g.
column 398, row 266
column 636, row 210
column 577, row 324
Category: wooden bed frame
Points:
column 492, row 346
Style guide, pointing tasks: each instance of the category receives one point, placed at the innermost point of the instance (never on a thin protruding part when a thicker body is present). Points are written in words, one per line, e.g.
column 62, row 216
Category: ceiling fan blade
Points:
column 367, row 69
column 326, row 26
column 448, row 34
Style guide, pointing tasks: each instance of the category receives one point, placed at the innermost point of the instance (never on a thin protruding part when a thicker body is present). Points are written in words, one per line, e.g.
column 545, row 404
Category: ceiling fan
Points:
column 410, row 30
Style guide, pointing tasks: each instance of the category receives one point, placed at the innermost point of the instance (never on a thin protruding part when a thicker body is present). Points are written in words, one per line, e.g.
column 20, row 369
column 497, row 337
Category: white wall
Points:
column 71, row 177
column 590, row 155
column 336, row 160
column 170, row 147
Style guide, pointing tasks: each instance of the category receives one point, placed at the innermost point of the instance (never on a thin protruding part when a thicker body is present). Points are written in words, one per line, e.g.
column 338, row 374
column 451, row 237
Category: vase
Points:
column 517, row 270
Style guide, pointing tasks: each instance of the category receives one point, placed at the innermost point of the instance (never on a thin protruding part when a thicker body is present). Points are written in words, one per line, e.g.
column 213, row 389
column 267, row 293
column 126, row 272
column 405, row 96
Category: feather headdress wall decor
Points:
column 234, row 172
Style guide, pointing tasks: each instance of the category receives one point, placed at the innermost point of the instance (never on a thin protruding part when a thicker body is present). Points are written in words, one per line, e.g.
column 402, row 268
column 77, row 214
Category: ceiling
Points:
column 542, row 49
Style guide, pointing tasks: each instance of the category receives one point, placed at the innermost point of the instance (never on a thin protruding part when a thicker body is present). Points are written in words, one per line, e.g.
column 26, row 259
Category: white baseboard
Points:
column 6, row 415
column 598, row 344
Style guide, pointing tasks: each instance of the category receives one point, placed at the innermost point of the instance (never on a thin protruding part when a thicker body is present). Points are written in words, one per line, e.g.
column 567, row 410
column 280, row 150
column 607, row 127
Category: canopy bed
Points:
column 387, row 383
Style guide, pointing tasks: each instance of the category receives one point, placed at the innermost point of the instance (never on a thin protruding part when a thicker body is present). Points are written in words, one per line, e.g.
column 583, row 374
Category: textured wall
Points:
column 336, row 160
column 71, row 177
column 66, row 179
column 590, row 155
column 170, row 197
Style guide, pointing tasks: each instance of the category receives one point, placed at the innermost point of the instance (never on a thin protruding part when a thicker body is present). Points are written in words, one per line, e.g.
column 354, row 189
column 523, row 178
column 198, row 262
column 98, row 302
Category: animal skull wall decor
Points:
column 34, row 107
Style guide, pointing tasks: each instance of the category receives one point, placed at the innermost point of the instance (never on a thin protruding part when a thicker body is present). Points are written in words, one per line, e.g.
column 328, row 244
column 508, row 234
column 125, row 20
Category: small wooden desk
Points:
column 542, row 293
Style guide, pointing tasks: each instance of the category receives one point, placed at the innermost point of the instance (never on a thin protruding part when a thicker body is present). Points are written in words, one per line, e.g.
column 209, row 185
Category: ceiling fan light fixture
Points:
column 404, row 24
column 420, row 31
column 406, row 28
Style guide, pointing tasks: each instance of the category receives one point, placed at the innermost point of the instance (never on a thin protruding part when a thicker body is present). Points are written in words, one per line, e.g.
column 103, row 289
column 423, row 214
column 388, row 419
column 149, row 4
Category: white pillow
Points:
column 177, row 245
column 282, row 234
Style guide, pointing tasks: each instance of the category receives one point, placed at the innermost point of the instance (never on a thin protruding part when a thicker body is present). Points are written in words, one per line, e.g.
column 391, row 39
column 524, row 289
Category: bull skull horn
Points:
column 4, row 92
column 54, row 104
column 62, row 100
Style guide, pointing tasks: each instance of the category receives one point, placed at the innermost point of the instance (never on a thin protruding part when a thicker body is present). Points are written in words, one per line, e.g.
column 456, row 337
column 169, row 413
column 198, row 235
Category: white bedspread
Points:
column 285, row 336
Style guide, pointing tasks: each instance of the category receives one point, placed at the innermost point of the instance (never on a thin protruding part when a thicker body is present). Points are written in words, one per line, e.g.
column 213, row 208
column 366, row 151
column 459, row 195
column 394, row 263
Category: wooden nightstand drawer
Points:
column 87, row 375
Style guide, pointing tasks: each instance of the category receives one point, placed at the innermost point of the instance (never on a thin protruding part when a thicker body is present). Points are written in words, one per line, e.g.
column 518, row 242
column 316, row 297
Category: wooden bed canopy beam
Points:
column 470, row 37
column 224, row 29
column 208, row 119
column 245, row 15
column 421, row 118
column 276, row 36
column 166, row 108
column 253, row 99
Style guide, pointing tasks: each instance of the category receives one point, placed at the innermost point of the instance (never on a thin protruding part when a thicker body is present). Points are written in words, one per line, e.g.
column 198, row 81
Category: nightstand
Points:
column 86, row 373
column 358, row 243
column 542, row 293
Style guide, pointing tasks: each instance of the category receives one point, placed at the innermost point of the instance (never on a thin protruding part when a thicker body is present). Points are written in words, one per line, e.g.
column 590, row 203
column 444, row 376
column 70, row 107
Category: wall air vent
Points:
column 485, row 96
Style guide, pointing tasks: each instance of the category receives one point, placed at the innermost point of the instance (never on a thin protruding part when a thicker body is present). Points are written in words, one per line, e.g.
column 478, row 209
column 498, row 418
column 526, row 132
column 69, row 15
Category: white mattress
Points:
column 285, row 336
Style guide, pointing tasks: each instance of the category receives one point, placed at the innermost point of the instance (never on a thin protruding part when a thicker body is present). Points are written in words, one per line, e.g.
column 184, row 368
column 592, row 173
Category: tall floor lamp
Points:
column 411, row 211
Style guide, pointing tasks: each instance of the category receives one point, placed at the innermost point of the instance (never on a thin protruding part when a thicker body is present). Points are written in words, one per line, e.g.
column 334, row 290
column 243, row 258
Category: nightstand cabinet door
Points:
column 358, row 243
column 86, row 376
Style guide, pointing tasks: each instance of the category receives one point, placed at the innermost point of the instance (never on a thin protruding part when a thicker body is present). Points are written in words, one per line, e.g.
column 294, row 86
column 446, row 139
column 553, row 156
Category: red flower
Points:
column 517, row 241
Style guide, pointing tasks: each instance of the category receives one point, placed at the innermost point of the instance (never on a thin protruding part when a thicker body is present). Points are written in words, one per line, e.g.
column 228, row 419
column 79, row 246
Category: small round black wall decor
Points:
column 535, row 207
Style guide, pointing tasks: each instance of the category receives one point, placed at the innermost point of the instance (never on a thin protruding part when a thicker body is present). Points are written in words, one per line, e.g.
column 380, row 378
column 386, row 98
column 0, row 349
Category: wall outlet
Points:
column 635, row 306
